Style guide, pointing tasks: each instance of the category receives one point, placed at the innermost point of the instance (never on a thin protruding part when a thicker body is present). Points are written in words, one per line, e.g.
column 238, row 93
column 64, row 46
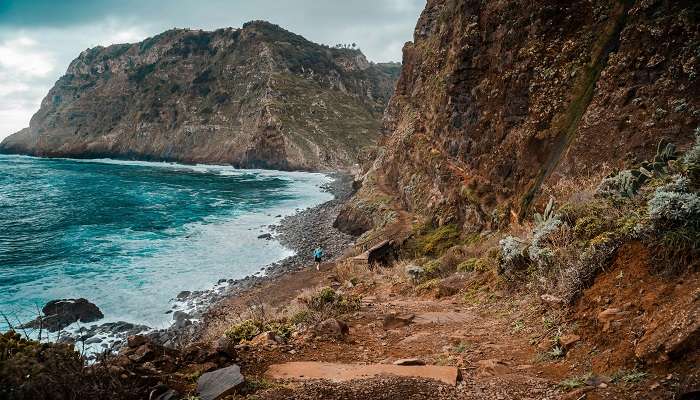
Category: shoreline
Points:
column 301, row 232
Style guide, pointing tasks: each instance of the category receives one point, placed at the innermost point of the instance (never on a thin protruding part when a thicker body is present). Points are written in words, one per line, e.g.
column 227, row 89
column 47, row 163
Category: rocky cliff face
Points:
column 253, row 97
column 497, row 98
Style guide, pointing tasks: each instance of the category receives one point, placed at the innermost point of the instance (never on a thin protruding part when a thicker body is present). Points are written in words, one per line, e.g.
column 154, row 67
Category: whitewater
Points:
column 129, row 236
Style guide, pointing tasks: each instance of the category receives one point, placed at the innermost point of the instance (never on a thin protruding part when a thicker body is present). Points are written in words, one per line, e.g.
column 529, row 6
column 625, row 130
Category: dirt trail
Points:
column 500, row 343
column 334, row 372
column 495, row 362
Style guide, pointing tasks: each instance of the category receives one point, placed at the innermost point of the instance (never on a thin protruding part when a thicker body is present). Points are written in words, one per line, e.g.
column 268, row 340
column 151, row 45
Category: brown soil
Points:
column 314, row 370
column 658, row 319
column 500, row 341
column 503, row 342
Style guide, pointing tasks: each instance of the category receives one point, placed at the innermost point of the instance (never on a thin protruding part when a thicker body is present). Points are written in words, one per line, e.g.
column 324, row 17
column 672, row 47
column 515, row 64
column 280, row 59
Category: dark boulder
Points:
column 58, row 314
column 332, row 328
column 183, row 295
column 383, row 253
column 220, row 383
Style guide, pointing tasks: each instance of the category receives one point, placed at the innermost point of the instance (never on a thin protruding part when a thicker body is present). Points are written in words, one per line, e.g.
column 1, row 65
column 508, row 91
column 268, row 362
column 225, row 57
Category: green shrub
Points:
column 691, row 160
column 248, row 329
column 281, row 329
column 324, row 297
column 300, row 317
column 676, row 250
column 629, row 376
column 589, row 226
column 432, row 267
column 428, row 285
column 467, row 265
column 473, row 264
column 245, row 330
column 439, row 240
column 575, row 382
column 329, row 302
column 430, row 241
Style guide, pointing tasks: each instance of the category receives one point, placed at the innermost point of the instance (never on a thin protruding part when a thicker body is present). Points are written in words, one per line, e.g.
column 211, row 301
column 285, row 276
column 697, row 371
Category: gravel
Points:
column 301, row 232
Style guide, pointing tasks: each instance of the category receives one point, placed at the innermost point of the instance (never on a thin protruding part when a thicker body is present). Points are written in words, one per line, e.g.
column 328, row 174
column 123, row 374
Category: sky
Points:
column 39, row 38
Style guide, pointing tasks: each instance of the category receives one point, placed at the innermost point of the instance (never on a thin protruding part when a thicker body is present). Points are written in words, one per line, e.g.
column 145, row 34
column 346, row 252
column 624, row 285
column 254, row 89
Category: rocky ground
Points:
column 497, row 342
column 478, row 338
column 503, row 342
column 308, row 229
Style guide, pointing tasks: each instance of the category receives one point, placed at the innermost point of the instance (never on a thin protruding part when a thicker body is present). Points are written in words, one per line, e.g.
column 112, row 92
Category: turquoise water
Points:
column 129, row 236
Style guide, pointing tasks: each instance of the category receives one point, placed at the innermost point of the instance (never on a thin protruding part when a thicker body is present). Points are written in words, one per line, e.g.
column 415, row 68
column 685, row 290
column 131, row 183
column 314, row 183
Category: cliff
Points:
column 498, row 98
column 258, row 96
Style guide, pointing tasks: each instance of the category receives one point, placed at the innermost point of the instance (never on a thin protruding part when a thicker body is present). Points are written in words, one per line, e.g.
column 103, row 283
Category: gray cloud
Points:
column 43, row 36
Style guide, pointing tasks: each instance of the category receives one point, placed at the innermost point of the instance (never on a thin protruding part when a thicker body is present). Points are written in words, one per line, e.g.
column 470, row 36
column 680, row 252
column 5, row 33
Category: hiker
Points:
column 318, row 254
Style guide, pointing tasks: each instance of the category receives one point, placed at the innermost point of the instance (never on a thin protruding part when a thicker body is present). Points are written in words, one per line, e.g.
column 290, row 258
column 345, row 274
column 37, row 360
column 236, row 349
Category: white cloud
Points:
column 7, row 88
column 34, row 56
column 26, row 68
column 22, row 56
column 32, row 61
column 13, row 119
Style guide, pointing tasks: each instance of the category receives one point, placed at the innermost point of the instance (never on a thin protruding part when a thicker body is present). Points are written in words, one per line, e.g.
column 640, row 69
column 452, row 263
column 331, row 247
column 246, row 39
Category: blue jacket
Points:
column 318, row 253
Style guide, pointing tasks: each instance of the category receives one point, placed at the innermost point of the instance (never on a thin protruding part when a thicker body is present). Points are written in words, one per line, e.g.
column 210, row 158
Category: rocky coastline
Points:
column 300, row 232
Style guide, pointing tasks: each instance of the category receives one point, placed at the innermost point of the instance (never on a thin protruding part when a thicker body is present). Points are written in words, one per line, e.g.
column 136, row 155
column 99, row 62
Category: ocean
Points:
column 129, row 236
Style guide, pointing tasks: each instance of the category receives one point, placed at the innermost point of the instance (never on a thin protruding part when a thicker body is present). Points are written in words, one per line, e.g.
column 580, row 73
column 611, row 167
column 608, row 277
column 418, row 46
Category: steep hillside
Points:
column 548, row 153
column 253, row 97
column 497, row 98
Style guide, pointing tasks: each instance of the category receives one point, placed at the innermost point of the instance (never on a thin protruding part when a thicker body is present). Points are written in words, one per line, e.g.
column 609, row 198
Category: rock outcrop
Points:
column 498, row 98
column 259, row 96
column 220, row 383
column 58, row 314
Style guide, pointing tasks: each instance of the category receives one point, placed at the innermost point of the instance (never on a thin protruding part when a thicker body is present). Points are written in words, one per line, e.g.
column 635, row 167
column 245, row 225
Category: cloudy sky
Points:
column 39, row 38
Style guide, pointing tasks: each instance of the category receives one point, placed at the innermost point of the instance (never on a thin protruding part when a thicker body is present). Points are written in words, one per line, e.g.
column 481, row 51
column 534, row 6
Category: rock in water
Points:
column 134, row 341
column 217, row 384
column 58, row 314
column 183, row 295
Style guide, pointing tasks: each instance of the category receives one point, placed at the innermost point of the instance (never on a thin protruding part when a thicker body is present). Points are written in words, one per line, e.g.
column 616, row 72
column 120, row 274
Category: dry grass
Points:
column 33, row 370
column 577, row 189
column 396, row 273
column 347, row 270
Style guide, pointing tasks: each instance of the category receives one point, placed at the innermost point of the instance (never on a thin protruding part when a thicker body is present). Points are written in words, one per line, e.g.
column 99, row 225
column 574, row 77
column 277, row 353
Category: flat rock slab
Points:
column 309, row 370
column 442, row 317
column 220, row 383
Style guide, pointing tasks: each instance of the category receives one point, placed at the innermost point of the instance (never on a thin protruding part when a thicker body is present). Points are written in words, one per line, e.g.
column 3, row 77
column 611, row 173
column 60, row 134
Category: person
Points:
column 318, row 255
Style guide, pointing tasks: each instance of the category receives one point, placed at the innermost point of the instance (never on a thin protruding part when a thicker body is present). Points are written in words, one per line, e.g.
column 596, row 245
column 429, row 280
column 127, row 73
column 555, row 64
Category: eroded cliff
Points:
column 258, row 96
column 498, row 98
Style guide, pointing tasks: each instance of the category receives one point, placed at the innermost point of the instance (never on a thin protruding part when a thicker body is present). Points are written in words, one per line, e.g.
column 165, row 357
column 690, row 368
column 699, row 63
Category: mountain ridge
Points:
column 258, row 96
